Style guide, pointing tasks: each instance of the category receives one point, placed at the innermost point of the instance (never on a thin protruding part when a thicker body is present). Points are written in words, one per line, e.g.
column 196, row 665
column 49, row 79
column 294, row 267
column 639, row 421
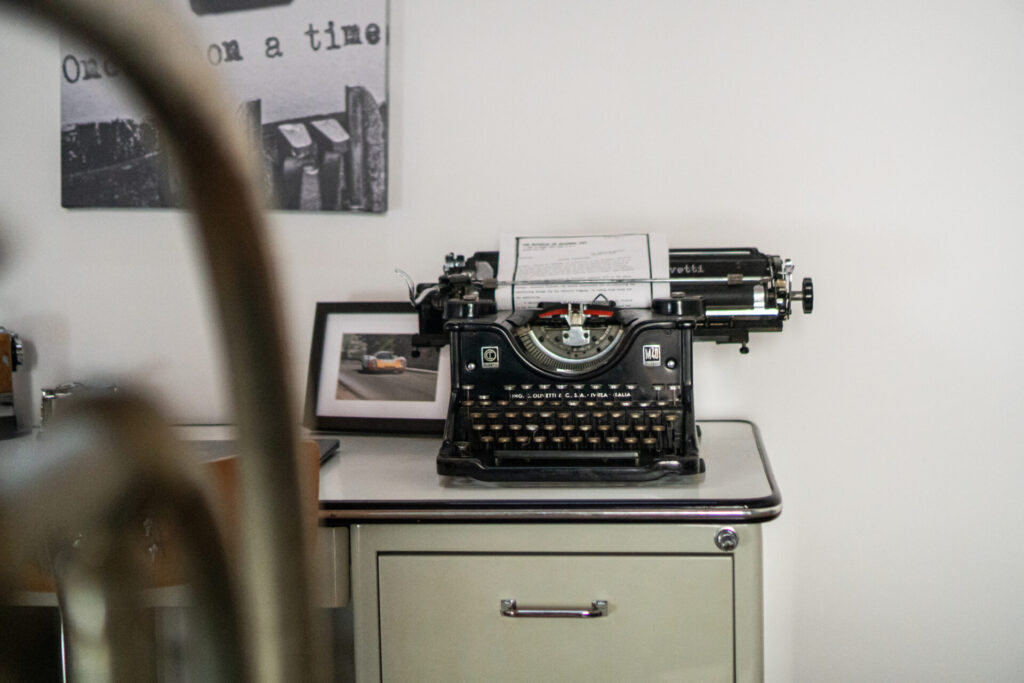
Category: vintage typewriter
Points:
column 587, row 391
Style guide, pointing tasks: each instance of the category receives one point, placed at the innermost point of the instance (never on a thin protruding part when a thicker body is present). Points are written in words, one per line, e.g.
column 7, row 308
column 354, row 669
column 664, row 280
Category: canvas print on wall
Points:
column 310, row 79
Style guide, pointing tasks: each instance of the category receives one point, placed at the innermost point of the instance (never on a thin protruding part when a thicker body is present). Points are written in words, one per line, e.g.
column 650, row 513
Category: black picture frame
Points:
column 347, row 392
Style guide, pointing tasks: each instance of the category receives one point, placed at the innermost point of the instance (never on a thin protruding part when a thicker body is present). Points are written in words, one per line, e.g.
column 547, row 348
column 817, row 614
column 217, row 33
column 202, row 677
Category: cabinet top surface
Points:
column 394, row 477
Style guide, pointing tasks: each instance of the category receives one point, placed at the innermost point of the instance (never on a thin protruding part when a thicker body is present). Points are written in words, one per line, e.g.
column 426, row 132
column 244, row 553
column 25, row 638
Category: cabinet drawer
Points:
column 669, row 617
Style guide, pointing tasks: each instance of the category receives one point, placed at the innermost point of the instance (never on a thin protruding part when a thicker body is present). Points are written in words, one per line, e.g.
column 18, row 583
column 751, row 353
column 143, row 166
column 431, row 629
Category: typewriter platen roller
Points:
column 586, row 391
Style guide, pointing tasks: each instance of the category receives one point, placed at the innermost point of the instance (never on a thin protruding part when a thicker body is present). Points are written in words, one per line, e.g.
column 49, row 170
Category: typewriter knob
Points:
column 681, row 306
column 466, row 308
column 807, row 295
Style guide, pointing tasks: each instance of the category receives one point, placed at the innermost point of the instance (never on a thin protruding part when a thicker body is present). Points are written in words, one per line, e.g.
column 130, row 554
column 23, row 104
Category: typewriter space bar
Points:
column 609, row 457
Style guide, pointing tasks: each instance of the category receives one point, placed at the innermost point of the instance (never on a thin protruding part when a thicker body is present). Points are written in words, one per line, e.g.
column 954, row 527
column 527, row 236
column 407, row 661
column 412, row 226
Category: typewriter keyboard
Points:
column 616, row 432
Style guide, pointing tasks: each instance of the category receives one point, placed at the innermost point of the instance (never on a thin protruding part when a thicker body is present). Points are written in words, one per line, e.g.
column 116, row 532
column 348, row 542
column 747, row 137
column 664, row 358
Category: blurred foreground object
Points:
column 113, row 443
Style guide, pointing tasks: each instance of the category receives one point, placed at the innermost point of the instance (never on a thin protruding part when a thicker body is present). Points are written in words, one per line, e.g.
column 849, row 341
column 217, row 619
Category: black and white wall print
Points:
column 310, row 79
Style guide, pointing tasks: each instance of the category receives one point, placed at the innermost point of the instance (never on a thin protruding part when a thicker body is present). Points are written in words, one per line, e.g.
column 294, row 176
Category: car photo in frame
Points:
column 366, row 376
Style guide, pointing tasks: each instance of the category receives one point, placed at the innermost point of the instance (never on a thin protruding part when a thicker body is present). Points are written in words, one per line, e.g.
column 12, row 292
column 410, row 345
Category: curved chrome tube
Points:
column 146, row 42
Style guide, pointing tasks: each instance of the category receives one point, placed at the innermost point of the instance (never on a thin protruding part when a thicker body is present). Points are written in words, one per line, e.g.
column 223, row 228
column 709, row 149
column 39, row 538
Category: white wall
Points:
column 880, row 145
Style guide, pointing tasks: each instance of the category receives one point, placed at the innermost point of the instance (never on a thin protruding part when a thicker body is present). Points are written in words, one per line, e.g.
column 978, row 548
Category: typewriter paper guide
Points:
column 639, row 256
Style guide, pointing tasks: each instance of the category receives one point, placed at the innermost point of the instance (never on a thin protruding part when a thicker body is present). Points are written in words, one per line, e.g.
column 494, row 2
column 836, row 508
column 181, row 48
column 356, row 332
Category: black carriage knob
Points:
column 807, row 295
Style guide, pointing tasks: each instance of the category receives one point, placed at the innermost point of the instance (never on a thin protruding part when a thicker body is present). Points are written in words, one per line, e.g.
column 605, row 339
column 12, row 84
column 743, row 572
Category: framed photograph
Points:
column 366, row 376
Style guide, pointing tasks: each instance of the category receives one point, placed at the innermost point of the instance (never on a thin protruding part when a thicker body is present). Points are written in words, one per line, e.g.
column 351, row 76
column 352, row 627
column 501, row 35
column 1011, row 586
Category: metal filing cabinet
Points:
column 650, row 582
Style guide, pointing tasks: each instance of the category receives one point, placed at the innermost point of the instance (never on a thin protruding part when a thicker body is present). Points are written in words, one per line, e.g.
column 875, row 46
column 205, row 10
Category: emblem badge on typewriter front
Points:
column 489, row 357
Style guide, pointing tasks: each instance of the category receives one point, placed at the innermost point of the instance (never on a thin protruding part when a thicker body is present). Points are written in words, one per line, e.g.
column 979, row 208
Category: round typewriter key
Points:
column 650, row 444
column 538, row 404
column 496, row 427
column 561, row 387
column 575, row 441
column 604, row 428
column 612, row 441
column 502, row 402
column 579, row 387
column 484, row 403
column 526, row 387
column 630, row 442
column 540, row 440
column 509, row 387
column 515, row 427
column 613, row 387
column 493, row 415
column 558, row 441
column 523, row 441
column 563, row 416
column 658, row 433
column 630, row 387
column 593, row 441
column 585, row 429
column 519, row 403
column 531, row 428
column 590, row 404
column 529, row 414
column 622, row 429
column 480, row 427
column 581, row 415
column 511, row 415
column 484, row 397
column 567, row 428
column 504, row 441
column 486, row 441
column 572, row 404
column 543, row 387
column 468, row 402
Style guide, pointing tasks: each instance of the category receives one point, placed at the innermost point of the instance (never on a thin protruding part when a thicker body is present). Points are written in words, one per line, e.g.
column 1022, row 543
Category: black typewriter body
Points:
column 589, row 392
column 615, row 404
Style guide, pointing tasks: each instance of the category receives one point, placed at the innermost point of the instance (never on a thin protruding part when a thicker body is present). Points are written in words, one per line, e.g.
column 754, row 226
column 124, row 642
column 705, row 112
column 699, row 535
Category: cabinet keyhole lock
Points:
column 726, row 539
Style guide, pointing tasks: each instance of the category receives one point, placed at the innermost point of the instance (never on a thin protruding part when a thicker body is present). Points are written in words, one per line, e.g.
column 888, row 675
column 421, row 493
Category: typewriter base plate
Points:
column 581, row 467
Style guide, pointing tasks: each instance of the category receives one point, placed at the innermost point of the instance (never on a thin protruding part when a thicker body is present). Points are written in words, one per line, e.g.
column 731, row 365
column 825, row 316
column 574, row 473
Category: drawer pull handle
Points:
column 598, row 608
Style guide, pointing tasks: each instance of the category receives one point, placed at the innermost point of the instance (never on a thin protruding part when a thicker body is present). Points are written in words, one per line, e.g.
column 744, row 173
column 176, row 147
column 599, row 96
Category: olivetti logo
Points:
column 688, row 269
column 652, row 354
column 489, row 356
